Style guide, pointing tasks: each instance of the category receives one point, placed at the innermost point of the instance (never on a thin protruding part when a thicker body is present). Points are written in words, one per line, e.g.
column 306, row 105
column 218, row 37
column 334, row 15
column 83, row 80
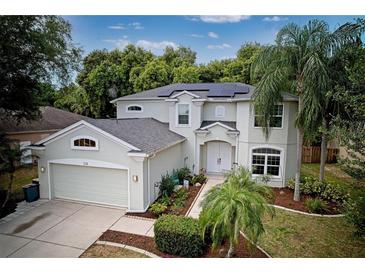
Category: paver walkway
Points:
column 212, row 181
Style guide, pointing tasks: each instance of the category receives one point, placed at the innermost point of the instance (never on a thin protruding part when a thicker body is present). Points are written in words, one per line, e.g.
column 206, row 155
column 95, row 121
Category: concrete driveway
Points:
column 56, row 229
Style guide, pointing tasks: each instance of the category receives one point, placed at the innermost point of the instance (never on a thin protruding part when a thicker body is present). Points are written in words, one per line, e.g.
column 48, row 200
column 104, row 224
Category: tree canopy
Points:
column 33, row 50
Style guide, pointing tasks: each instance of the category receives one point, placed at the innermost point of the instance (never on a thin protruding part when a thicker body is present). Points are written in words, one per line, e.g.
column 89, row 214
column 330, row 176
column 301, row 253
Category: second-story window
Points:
column 183, row 114
column 134, row 108
column 276, row 120
column 220, row 111
column 84, row 143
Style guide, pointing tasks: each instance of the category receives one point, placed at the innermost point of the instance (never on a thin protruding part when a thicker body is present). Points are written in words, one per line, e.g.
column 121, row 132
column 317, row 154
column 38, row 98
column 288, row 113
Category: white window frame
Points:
column 133, row 111
column 282, row 118
column 223, row 110
column 177, row 115
column 265, row 165
column 84, row 148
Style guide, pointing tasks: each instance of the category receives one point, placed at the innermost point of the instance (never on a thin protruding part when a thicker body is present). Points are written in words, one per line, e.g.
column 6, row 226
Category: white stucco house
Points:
column 211, row 126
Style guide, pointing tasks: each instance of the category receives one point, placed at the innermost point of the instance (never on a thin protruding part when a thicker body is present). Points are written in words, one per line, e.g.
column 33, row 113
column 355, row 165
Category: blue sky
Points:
column 212, row 37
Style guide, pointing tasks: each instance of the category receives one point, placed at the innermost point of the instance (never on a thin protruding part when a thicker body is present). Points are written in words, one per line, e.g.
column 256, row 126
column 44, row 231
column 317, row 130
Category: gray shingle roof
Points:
column 203, row 90
column 147, row 134
column 51, row 119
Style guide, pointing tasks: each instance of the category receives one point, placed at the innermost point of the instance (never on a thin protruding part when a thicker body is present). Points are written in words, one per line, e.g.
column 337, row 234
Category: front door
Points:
column 218, row 157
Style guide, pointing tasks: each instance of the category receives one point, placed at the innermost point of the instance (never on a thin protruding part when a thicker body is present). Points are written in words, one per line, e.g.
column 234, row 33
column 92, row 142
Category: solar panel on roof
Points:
column 214, row 89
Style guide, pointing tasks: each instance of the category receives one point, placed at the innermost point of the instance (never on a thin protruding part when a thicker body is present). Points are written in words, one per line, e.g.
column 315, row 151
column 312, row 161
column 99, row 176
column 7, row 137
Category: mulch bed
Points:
column 148, row 243
column 193, row 192
column 284, row 197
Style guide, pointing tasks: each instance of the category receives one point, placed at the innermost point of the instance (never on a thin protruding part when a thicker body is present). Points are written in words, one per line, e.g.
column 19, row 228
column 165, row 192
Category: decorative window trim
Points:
column 281, row 156
column 82, row 147
column 177, row 115
column 223, row 111
column 282, row 118
column 133, row 111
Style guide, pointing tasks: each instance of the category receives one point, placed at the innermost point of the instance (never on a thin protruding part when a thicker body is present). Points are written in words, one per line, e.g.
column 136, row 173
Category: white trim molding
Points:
column 96, row 147
column 282, row 161
column 219, row 124
column 177, row 115
column 78, row 125
column 184, row 92
column 133, row 111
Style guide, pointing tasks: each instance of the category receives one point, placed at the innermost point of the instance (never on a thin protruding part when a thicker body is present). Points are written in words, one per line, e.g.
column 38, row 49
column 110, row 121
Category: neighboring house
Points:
column 200, row 126
column 27, row 132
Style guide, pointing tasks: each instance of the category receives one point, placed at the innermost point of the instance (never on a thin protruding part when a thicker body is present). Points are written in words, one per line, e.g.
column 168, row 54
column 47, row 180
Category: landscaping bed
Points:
column 105, row 251
column 284, row 198
column 148, row 243
column 192, row 193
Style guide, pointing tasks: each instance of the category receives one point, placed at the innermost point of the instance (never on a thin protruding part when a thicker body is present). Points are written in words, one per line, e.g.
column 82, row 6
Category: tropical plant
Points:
column 299, row 62
column 183, row 174
column 167, row 185
column 237, row 205
column 316, row 205
column 355, row 214
column 200, row 178
column 158, row 208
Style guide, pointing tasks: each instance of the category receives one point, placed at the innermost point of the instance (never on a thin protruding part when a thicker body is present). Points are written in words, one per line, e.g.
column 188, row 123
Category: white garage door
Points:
column 90, row 184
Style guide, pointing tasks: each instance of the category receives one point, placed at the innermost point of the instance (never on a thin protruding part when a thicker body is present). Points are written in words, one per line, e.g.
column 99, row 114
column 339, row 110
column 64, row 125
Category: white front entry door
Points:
column 219, row 156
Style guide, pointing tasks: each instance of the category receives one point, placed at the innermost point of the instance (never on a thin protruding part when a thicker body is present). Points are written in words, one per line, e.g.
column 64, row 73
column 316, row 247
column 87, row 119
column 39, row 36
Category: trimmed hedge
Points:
column 178, row 235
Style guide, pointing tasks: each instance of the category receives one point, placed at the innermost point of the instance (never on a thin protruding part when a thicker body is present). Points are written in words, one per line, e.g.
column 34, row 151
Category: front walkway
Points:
column 212, row 181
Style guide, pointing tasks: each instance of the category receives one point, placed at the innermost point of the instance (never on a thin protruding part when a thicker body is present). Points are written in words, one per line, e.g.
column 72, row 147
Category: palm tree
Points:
column 299, row 62
column 238, row 204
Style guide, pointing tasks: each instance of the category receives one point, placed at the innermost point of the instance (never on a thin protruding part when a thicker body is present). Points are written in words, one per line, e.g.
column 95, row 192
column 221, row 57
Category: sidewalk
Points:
column 212, row 181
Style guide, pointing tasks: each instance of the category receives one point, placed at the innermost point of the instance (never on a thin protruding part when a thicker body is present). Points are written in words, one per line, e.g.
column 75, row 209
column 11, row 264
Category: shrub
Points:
column 158, row 208
column 200, row 178
column 164, row 200
column 180, row 196
column 178, row 235
column 323, row 189
column 355, row 214
column 183, row 174
column 316, row 206
column 167, row 185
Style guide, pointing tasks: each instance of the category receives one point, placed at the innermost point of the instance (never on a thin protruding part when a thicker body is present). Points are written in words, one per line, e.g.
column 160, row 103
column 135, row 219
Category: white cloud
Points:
column 151, row 45
column 274, row 19
column 219, row 19
column 222, row 46
column 136, row 25
column 119, row 43
column 212, row 34
column 194, row 35
column 118, row 26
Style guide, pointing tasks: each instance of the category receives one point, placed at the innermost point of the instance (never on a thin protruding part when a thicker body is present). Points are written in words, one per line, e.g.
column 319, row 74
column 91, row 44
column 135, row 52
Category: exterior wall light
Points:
column 135, row 178
column 43, row 169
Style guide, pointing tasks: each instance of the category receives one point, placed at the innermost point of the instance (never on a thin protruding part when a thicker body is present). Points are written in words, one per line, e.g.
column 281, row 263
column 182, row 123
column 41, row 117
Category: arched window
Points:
column 84, row 143
column 266, row 161
column 134, row 108
column 220, row 111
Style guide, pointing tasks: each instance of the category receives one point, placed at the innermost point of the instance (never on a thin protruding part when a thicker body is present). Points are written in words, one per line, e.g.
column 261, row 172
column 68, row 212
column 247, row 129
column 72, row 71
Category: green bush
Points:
column 167, row 185
column 178, row 235
column 165, row 200
column 323, row 189
column 179, row 198
column 183, row 174
column 158, row 208
column 316, row 206
column 200, row 178
column 355, row 214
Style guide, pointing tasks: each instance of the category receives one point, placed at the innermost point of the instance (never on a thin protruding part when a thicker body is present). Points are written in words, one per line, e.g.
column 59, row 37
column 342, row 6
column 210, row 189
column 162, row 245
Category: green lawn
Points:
column 296, row 235
column 23, row 176
column 334, row 174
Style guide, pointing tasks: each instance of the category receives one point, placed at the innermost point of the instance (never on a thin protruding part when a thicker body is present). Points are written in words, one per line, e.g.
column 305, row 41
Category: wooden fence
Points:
column 313, row 154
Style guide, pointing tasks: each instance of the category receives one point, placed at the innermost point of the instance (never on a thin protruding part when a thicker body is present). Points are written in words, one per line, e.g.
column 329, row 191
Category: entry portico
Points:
column 216, row 146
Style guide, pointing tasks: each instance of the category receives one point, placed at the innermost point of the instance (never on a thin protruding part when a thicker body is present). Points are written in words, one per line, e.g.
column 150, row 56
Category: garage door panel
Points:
column 92, row 184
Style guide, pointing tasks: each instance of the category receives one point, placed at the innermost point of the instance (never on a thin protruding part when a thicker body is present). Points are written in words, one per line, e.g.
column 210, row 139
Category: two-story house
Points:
column 212, row 126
